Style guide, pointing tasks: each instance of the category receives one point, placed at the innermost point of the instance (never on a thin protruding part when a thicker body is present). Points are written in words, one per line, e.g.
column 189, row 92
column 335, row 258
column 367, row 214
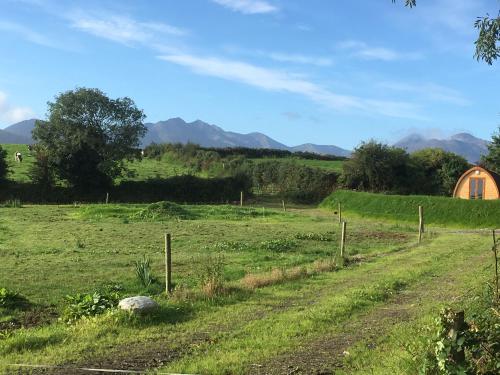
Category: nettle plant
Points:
column 461, row 347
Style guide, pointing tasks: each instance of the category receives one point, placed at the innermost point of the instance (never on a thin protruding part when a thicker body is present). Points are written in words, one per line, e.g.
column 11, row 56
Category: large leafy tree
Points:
column 438, row 170
column 492, row 160
column 88, row 137
column 378, row 167
column 487, row 43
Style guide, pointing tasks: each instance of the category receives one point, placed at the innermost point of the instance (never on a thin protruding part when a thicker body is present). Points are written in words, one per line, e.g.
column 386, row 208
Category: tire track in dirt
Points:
column 324, row 355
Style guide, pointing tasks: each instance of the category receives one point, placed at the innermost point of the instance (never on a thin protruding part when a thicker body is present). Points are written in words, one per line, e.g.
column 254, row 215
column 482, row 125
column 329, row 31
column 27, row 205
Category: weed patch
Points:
column 278, row 245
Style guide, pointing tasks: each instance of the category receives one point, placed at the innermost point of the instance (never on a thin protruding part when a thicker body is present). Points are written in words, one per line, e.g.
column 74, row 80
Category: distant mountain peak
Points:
column 464, row 144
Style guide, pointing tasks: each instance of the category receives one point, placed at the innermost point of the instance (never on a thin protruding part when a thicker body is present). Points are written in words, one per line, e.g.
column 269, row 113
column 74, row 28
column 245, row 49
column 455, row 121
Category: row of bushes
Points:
column 179, row 188
column 157, row 150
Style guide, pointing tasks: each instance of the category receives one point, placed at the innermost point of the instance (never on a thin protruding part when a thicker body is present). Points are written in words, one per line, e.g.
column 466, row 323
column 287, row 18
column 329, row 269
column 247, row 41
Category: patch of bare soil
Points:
column 380, row 235
column 30, row 318
column 325, row 355
column 136, row 357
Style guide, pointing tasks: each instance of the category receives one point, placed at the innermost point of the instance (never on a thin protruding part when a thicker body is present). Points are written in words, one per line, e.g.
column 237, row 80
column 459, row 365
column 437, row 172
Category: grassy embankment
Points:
column 441, row 211
column 48, row 252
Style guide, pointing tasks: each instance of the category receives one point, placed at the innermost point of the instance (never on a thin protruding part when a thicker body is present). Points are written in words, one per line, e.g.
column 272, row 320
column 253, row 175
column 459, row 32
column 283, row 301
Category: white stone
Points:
column 137, row 304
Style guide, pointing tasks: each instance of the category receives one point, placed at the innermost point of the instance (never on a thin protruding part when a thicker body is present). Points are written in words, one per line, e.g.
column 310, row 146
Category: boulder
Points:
column 138, row 304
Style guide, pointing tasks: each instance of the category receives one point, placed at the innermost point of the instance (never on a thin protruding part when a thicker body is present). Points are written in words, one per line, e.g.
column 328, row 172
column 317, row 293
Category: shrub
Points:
column 90, row 304
column 143, row 271
column 472, row 347
column 212, row 275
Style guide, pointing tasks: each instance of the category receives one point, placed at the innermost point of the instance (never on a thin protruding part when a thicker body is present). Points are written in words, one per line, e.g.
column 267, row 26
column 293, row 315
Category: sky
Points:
column 326, row 72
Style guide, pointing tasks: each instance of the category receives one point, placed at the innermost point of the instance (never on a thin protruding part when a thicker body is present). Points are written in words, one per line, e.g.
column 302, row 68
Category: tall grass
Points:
column 437, row 210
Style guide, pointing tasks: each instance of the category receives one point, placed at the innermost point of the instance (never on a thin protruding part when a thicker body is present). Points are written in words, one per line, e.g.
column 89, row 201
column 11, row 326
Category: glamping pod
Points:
column 478, row 183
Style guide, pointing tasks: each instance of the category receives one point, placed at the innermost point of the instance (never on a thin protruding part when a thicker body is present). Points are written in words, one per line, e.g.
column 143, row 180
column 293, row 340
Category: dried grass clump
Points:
column 279, row 275
column 254, row 281
column 324, row 265
column 296, row 273
column 182, row 293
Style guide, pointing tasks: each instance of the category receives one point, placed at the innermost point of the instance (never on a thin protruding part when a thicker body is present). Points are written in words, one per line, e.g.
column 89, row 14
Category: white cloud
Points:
column 28, row 34
column 10, row 114
column 364, row 51
column 286, row 57
column 300, row 59
column 123, row 29
column 279, row 81
column 248, row 6
column 430, row 91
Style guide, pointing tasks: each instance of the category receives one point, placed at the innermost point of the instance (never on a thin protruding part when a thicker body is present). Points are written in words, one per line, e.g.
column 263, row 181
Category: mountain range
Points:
column 177, row 130
column 465, row 144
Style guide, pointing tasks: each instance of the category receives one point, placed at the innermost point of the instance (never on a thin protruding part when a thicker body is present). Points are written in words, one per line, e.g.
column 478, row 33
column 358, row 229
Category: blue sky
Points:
column 327, row 72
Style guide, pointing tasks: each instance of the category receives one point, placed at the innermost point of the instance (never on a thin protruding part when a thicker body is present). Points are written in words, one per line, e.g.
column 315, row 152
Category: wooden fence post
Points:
column 241, row 198
column 495, row 254
column 340, row 213
column 342, row 239
column 420, row 223
column 284, row 206
column 168, row 263
column 107, row 198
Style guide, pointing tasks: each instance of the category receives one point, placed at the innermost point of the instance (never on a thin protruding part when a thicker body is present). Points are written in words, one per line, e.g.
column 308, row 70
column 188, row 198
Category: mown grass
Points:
column 437, row 210
column 50, row 251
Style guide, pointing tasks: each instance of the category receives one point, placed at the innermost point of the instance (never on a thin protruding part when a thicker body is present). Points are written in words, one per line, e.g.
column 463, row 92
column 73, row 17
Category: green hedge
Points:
column 437, row 210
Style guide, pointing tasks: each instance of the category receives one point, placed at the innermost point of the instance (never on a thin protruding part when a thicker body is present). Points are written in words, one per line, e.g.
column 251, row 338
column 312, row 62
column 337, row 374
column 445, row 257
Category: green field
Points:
column 18, row 171
column 304, row 317
column 148, row 168
column 437, row 210
column 329, row 165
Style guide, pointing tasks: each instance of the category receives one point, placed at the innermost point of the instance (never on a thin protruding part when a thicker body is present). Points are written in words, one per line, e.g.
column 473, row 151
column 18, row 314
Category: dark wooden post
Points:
column 241, row 198
column 168, row 263
column 342, row 239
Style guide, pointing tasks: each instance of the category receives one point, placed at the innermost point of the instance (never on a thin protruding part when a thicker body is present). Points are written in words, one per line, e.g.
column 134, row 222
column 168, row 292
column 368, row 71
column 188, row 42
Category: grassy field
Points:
column 145, row 168
column 303, row 306
column 437, row 210
column 329, row 165
column 18, row 171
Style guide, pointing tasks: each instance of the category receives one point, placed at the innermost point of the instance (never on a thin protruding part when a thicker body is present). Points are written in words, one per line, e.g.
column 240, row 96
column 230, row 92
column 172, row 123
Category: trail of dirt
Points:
column 325, row 355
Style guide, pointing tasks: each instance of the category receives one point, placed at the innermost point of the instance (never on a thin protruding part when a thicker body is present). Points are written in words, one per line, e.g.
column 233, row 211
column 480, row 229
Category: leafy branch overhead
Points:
column 487, row 47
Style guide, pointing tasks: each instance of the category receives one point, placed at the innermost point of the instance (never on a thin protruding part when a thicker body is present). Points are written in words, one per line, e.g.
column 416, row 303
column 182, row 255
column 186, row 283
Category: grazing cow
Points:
column 18, row 156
